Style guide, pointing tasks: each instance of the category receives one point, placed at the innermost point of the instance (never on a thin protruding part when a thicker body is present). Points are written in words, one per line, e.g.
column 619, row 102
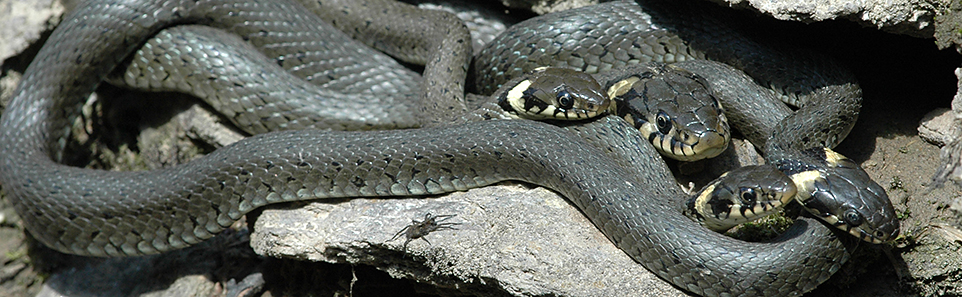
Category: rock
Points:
column 547, row 6
column 939, row 127
column 948, row 26
column 909, row 17
column 22, row 22
column 957, row 99
column 509, row 239
column 951, row 153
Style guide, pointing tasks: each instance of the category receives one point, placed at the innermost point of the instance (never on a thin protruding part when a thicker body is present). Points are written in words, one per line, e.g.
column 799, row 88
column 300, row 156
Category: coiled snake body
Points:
column 91, row 212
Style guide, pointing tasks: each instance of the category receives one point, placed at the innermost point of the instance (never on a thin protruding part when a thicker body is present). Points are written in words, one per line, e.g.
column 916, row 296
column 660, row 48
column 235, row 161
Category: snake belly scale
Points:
column 91, row 212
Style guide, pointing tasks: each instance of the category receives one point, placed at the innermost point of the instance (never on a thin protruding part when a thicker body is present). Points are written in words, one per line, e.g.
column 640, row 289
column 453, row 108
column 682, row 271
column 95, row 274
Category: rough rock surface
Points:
column 511, row 239
column 939, row 127
column 944, row 127
column 910, row 17
column 519, row 240
column 22, row 22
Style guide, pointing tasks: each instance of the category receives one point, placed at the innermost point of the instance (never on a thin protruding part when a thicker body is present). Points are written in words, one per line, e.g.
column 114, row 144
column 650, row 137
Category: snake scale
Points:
column 100, row 213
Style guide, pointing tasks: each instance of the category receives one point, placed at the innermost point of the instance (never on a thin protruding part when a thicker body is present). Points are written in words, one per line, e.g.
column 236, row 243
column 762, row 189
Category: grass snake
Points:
column 615, row 34
column 102, row 213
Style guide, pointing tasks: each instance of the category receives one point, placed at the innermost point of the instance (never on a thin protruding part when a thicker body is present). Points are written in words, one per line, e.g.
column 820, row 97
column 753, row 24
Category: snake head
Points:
column 675, row 109
column 741, row 195
column 554, row 93
column 843, row 195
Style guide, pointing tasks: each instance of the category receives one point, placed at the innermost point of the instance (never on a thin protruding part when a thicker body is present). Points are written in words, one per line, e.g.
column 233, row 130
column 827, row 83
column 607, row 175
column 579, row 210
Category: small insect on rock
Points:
column 419, row 229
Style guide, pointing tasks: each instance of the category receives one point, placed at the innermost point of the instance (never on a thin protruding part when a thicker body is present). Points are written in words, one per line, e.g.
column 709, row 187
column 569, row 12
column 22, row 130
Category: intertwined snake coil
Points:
column 109, row 213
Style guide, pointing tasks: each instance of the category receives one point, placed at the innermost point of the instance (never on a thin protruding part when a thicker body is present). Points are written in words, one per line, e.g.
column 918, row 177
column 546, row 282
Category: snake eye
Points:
column 748, row 195
column 664, row 122
column 852, row 218
column 565, row 100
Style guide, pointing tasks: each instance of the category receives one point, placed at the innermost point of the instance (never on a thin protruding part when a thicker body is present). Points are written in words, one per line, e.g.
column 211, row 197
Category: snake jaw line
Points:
column 858, row 232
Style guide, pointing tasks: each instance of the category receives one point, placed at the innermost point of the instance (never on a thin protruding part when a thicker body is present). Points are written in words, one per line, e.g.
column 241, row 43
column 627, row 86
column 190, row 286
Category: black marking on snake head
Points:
column 813, row 203
column 720, row 206
column 527, row 93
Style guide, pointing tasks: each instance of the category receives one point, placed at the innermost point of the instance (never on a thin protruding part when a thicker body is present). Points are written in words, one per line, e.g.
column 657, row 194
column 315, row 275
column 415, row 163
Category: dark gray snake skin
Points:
column 100, row 213
column 615, row 34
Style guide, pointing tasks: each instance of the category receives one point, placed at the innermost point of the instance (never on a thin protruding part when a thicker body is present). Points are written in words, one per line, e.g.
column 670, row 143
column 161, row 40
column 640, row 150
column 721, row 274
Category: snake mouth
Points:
column 860, row 232
column 689, row 147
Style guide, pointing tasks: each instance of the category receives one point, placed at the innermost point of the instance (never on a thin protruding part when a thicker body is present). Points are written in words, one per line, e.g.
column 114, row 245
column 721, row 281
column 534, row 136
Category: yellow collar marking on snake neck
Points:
column 805, row 181
column 621, row 87
column 833, row 158
column 516, row 94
